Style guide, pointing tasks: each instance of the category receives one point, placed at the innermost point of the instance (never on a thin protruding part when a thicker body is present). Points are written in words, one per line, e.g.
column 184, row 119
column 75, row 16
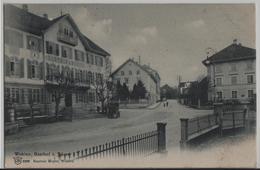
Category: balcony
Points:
column 67, row 39
column 71, row 82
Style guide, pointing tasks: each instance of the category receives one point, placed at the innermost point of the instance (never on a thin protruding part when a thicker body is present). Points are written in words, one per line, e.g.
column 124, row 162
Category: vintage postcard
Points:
column 129, row 85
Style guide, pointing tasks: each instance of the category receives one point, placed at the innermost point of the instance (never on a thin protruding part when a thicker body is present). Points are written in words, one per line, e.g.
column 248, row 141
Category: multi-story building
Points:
column 130, row 72
column 231, row 73
column 37, row 48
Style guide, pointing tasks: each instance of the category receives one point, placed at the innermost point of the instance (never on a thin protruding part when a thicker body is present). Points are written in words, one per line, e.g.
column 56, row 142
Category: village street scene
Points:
column 92, row 81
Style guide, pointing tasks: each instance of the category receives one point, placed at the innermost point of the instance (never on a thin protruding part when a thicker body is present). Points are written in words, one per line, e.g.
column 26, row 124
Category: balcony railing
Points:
column 52, row 79
column 67, row 39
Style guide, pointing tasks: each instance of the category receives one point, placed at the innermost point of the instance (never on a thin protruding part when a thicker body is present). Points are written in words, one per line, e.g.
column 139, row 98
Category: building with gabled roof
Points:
column 231, row 73
column 130, row 72
column 36, row 48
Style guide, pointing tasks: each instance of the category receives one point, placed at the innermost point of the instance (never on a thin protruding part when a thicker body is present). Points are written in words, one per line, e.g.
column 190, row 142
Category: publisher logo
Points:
column 17, row 160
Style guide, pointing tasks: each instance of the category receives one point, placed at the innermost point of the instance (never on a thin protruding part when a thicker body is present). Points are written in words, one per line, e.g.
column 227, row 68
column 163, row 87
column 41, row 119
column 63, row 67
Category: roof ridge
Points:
column 230, row 53
column 28, row 12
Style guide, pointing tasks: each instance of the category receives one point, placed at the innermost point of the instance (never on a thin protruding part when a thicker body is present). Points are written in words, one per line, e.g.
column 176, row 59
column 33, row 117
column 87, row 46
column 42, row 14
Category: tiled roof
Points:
column 94, row 47
column 34, row 24
column 149, row 72
column 231, row 53
column 25, row 21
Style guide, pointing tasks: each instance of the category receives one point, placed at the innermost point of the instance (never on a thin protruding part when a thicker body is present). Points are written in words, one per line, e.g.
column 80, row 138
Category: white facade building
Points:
column 232, row 73
column 37, row 48
column 131, row 71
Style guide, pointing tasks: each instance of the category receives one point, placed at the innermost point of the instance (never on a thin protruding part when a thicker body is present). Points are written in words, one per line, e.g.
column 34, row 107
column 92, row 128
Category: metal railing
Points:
column 191, row 128
column 138, row 145
column 227, row 119
column 233, row 119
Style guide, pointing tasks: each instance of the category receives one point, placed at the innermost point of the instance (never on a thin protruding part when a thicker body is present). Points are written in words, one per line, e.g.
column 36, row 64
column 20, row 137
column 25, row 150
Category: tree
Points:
column 139, row 91
column 117, row 91
column 169, row 92
column 61, row 86
column 103, row 90
column 134, row 94
column 125, row 92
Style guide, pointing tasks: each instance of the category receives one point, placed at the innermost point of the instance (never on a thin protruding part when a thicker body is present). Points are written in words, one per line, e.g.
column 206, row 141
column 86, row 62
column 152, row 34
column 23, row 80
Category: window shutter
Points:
column 17, row 69
column 47, row 47
column 40, row 70
column 7, row 66
column 39, row 45
column 57, row 49
column 37, row 71
column 28, row 42
column 22, row 68
column 29, row 69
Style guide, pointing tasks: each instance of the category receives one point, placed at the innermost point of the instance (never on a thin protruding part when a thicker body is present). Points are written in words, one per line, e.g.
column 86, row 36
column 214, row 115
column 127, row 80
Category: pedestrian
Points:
column 163, row 104
column 167, row 103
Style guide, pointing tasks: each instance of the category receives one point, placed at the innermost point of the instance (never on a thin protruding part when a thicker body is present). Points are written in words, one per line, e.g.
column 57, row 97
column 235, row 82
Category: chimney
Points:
column 235, row 41
column 25, row 7
column 139, row 59
column 45, row 15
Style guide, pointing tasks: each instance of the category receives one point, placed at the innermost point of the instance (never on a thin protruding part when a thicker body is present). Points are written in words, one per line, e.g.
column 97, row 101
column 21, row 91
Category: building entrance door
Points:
column 68, row 100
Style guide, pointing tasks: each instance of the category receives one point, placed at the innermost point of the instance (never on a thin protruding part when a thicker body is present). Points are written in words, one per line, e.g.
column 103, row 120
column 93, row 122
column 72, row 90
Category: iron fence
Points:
column 138, row 145
column 233, row 119
column 227, row 119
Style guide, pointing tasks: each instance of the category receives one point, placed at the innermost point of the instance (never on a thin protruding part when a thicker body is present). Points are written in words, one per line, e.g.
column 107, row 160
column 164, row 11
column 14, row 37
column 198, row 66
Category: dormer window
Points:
column 66, row 31
column 67, row 35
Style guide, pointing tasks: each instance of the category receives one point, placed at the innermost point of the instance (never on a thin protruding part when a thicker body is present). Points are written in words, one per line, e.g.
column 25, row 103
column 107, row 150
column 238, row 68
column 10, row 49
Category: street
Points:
column 79, row 134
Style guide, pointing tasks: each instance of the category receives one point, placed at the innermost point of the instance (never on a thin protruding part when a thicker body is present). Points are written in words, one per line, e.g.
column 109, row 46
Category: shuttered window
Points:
column 52, row 48
column 79, row 56
column 87, row 58
column 14, row 66
column 91, row 59
column 34, row 69
column 66, row 52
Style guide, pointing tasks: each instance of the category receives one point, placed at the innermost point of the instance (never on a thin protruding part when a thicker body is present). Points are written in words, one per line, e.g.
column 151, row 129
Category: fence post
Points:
column 184, row 132
column 233, row 117
column 244, row 118
column 161, row 137
column 220, row 118
column 123, row 145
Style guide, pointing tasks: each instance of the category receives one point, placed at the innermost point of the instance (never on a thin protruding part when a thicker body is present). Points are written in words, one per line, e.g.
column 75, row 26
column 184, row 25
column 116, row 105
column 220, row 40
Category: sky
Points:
column 171, row 38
